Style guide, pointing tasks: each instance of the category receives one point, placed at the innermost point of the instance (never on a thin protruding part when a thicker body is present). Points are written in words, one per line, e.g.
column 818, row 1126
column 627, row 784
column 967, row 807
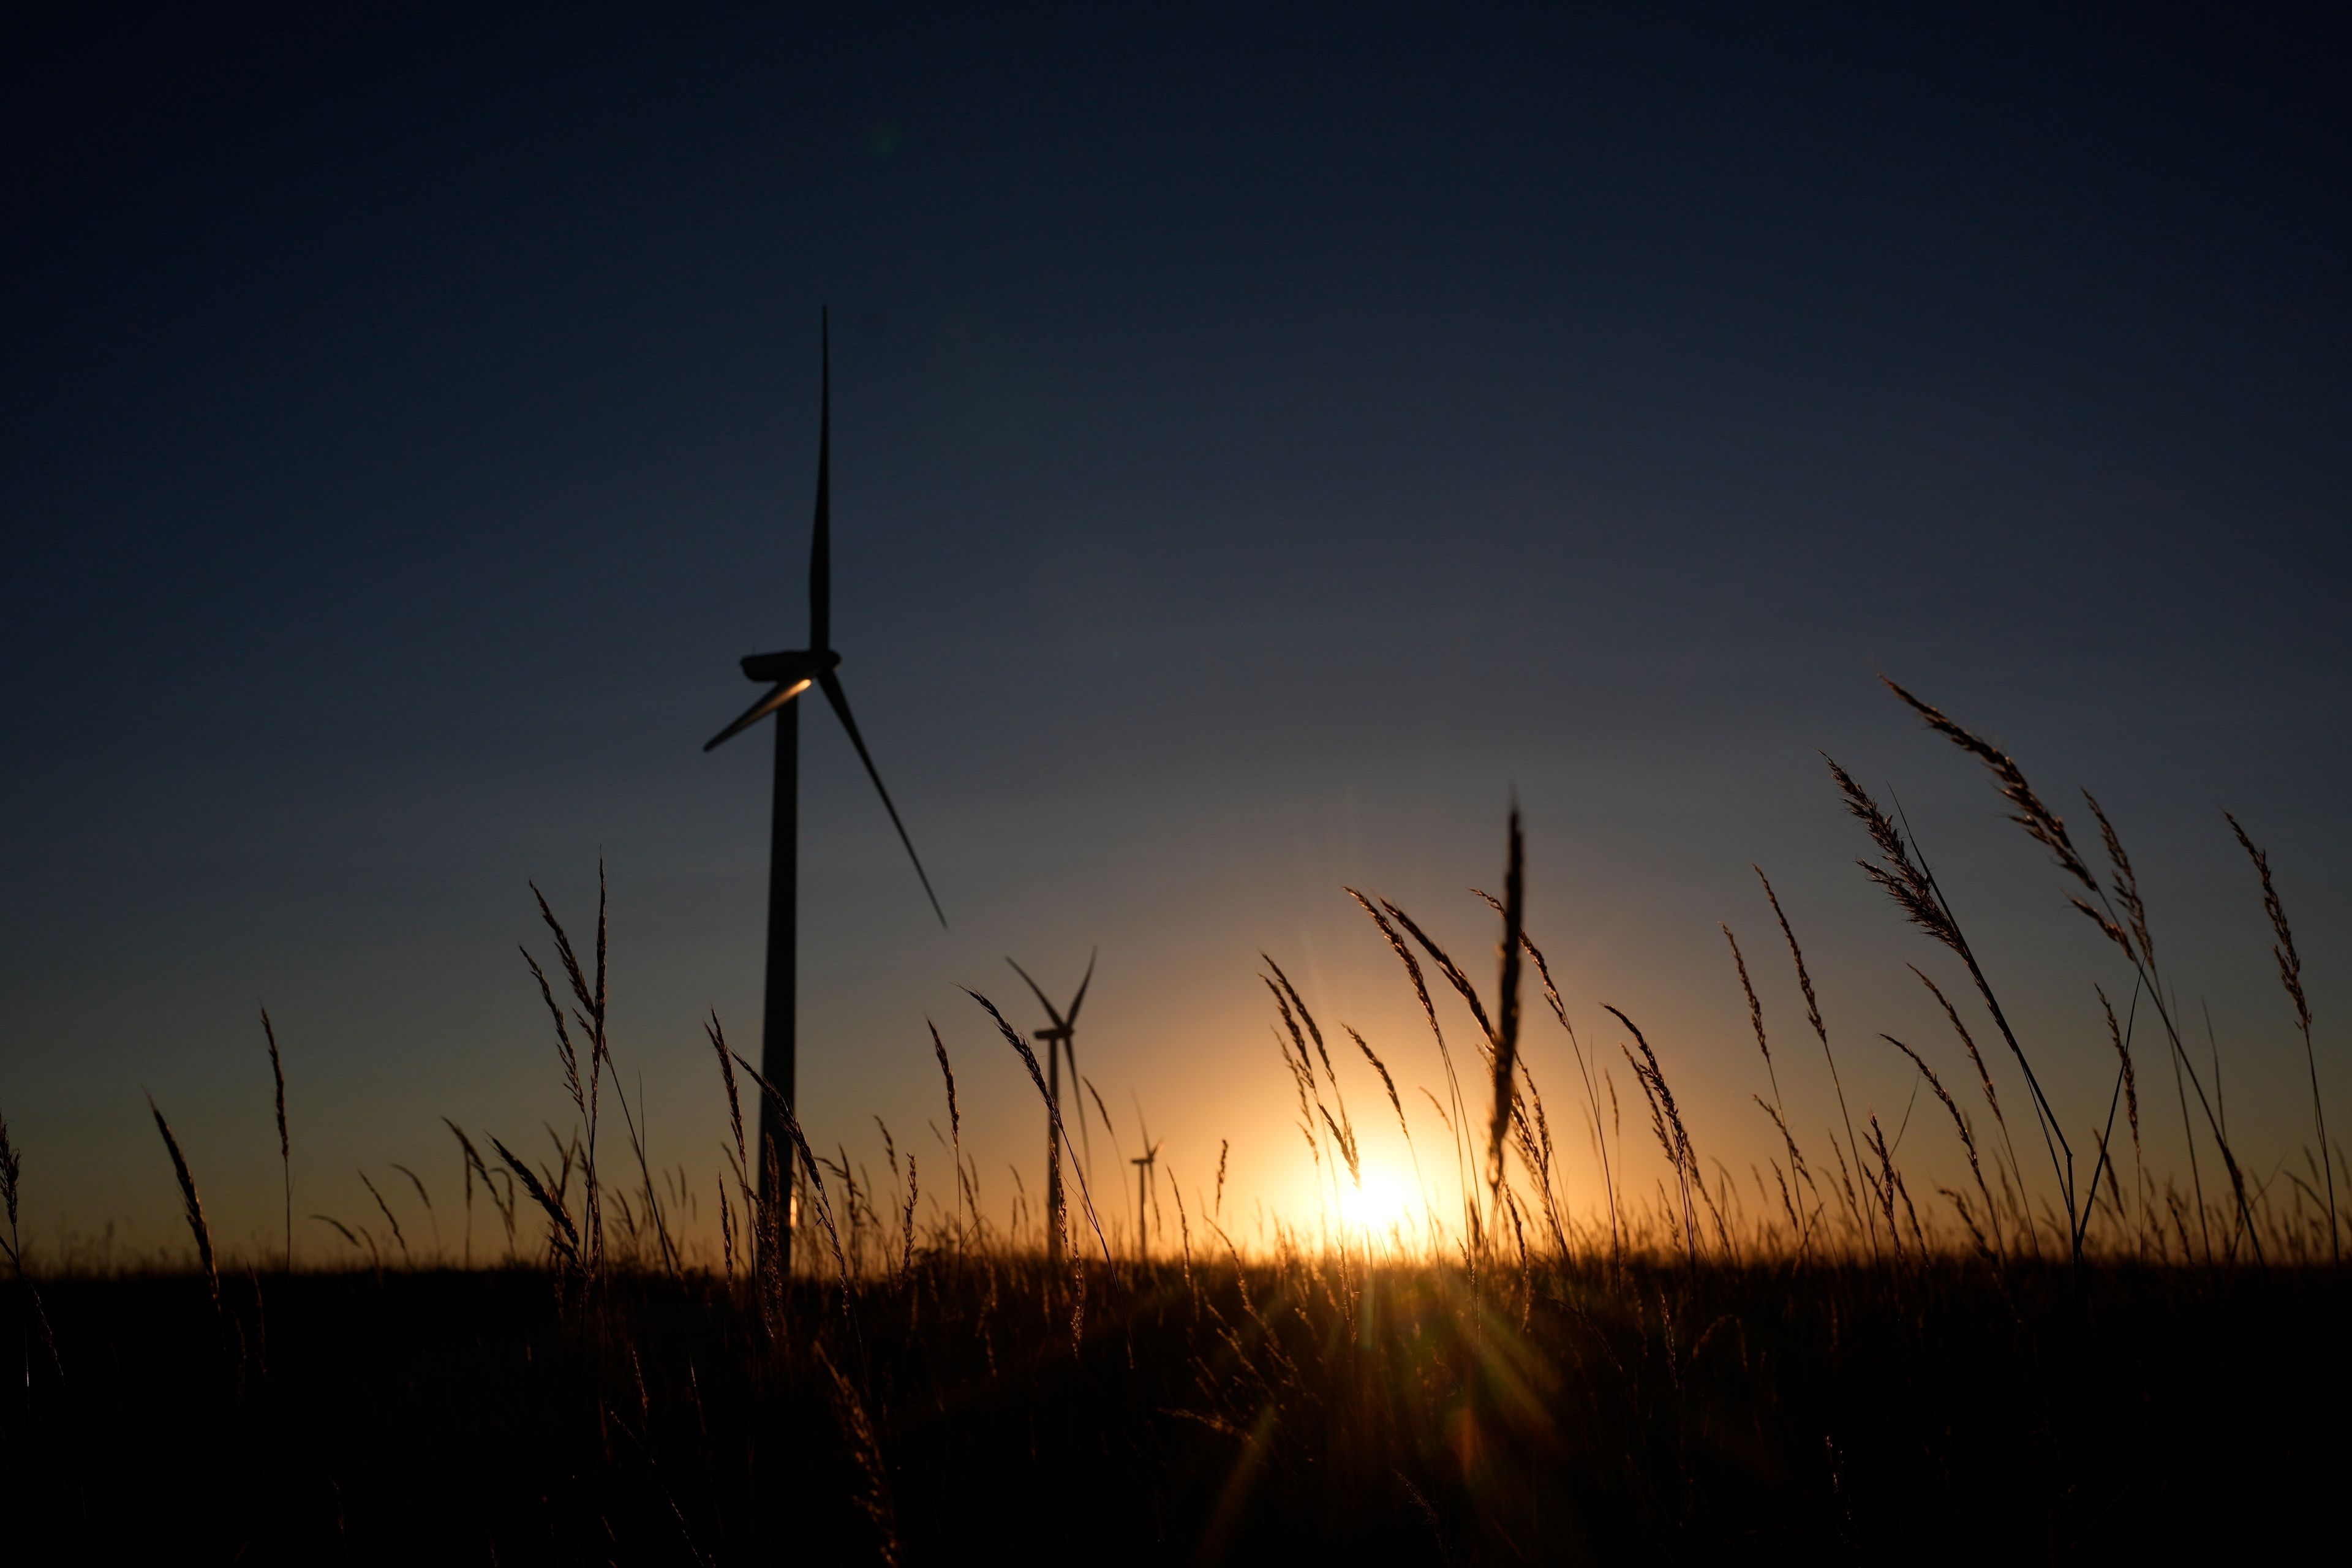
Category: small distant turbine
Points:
column 792, row 672
column 1143, row 1164
column 1058, row 1044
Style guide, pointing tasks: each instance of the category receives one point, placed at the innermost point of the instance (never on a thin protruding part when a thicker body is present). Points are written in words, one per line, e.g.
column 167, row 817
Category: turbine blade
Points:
column 1080, row 1000
column 840, row 700
column 821, row 544
column 785, row 690
column 1059, row 1022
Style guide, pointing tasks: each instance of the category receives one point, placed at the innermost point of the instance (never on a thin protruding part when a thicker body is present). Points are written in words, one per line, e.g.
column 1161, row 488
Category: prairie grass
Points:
column 1586, row 1411
column 2029, row 1365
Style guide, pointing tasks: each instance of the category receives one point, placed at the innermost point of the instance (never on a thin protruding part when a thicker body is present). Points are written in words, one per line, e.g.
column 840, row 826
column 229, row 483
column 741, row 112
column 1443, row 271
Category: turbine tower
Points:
column 1143, row 1168
column 1058, row 1044
column 790, row 673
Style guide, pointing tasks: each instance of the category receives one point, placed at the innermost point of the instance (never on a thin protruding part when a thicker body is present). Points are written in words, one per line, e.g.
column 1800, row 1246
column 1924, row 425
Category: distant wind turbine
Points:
column 1058, row 1044
column 792, row 672
column 1143, row 1166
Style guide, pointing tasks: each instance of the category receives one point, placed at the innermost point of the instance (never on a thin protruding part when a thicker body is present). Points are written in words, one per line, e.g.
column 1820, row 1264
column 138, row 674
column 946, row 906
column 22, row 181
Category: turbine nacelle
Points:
column 790, row 664
column 1064, row 1024
column 793, row 670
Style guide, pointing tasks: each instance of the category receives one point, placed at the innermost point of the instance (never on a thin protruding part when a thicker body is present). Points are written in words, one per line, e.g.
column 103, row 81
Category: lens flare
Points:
column 1383, row 1203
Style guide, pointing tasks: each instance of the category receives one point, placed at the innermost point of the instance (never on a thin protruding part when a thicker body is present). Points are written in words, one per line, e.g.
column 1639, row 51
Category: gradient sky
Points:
column 1261, row 445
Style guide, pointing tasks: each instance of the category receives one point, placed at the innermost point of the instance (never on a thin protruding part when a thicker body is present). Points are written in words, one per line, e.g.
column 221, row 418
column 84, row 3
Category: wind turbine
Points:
column 1143, row 1167
column 790, row 673
column 1058, row 1044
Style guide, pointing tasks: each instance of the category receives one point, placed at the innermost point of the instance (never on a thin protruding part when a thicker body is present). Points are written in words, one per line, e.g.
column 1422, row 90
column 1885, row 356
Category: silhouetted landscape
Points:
column 1593, row 815
column 2092, row 1366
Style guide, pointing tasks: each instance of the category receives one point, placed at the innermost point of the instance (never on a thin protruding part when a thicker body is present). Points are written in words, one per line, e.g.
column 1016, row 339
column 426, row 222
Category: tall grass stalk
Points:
column 1507, row 1010
column 285, row 1146
column 1666, row 1123
column 586, row 1090
column 12, row 1173
column 389, row 1217
column 2290, row 968
column 562, row 1236
column 1585, row 1074
column 1454, row 1123
column 955, row 1123
column 1778, row 1110
column 1814, row 1016
column 470, row 1165
column 193, row 1207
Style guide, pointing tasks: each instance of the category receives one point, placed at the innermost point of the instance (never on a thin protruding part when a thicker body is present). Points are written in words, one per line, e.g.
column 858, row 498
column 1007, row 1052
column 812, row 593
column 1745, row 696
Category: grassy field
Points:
column 2070, row 1353
column 1401, row 1414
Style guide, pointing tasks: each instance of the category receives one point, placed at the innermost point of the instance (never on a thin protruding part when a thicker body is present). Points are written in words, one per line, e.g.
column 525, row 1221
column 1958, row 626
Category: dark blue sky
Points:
column 1261, row 443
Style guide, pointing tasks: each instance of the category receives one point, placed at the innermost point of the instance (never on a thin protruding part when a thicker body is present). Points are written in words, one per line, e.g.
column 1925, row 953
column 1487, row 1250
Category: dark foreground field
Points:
column 1304, row 1409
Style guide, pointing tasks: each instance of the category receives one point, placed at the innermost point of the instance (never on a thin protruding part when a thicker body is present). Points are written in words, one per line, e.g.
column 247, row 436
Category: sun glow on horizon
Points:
column 1380, row 1204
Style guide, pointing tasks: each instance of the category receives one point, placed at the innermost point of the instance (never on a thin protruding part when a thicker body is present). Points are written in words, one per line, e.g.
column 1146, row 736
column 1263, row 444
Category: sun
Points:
column 1381, row 1203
